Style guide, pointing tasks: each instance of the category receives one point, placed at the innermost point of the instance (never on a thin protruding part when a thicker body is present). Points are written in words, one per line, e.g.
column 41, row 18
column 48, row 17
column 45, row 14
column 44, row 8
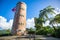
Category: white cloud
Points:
column 46, row 23
column 30, row 23
column 57, row 11
column 4, row 24
column 8, row 25
column 58, row 24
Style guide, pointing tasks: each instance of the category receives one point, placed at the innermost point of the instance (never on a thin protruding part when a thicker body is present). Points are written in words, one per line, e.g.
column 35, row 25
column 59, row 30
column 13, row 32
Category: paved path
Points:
column 46, row 38
column 27, row 38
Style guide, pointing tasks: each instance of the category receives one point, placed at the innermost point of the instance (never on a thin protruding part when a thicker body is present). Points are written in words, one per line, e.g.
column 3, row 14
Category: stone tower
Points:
column 19, row 23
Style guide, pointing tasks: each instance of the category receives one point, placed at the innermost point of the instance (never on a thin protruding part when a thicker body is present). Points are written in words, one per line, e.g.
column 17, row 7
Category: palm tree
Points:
column 55, row 20
column 43, row 16
column 46, row 11
column 38, row 22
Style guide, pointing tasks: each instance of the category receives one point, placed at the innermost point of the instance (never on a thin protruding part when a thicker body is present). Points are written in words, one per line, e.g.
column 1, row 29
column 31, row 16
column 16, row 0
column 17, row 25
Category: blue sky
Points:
column 33, row 7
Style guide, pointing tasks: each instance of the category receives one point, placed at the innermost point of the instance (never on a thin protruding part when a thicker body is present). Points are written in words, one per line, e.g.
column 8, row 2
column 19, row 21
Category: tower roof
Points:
column 21, row 3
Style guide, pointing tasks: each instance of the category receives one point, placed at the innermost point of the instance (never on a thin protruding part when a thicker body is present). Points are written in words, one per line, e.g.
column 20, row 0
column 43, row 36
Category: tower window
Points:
column 21, row 23
column 19, row 30
column 21, row 15
column 22, row 8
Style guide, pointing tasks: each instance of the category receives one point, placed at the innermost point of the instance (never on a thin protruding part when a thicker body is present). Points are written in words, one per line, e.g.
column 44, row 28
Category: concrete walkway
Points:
column 46, row 38
column 28, row 38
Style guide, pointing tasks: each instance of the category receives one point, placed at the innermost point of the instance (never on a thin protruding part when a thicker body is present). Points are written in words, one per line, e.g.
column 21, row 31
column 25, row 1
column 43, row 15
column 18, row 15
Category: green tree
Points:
column 55, row 20
column 43, row 16
column 38, row 23
column 46, row 11
column 31, row 31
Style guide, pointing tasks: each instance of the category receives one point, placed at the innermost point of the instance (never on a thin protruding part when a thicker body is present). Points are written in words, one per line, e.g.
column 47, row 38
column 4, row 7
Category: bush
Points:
column 41, row 32
column 45, row 30
column 57, row 33
column 5, row 32
column 31, row 31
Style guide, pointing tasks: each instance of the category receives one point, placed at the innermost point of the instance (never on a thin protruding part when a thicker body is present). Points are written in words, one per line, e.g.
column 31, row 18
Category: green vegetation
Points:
column 31, row 31
column 43, row 17
column 5, row 32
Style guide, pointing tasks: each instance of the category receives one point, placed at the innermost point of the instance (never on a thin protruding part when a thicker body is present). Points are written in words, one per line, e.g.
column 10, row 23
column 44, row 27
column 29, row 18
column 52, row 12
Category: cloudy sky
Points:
column 33, row 8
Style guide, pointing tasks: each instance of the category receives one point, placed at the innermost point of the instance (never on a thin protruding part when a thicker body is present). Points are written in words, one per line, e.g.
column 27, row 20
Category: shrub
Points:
column 57, row 33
